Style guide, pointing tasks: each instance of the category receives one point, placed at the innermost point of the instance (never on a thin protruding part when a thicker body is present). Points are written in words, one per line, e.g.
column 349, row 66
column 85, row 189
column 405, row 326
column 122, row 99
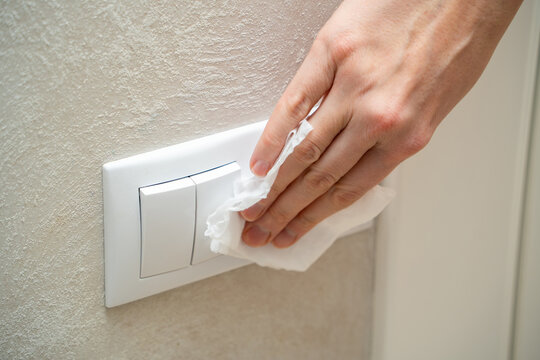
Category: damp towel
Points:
column 224, row 226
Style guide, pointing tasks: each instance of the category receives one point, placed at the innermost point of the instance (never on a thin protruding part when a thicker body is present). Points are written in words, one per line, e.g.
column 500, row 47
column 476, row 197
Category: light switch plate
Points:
column 122, row 180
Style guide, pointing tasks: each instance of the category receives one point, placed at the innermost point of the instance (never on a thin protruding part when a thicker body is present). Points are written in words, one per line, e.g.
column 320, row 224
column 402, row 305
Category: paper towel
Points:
column 224, row 226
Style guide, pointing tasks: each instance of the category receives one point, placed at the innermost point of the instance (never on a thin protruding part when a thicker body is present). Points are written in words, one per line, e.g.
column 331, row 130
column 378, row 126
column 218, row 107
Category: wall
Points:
column 447, row 246
column 527, row 325
column 88, row 82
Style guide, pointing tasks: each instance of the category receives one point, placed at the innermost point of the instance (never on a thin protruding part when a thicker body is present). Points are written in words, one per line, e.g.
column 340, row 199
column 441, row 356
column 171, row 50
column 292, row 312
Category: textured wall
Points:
column 88, row 82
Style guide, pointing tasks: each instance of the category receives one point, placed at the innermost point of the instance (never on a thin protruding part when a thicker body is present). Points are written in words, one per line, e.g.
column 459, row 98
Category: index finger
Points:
column 312, row 80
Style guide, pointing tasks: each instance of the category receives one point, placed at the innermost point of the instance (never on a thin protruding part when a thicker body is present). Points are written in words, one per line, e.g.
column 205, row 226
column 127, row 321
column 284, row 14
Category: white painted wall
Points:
column 447, row 246
column 87, row 82
column 527, row 327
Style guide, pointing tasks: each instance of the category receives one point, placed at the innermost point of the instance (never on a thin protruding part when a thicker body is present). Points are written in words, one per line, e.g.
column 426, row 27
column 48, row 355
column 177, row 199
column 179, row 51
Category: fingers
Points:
column 368, row 172
column 313, row 79
column 315, row 181
column 327, row 122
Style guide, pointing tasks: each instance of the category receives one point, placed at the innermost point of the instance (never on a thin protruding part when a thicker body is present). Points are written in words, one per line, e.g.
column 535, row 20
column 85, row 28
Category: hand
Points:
column 389, row 72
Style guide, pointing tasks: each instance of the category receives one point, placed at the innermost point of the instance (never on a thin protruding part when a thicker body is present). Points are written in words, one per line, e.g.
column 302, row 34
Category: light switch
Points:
column 167, row 226
column 214, row 187
column 164, row 214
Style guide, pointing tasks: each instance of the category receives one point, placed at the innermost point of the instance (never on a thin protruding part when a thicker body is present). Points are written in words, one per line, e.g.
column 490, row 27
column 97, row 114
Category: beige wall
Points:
column 88, row 82
column 527, row 322
column 447, row 246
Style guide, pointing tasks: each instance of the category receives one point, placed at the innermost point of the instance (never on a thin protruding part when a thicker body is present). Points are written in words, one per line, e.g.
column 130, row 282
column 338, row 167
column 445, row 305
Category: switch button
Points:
column 214, row 187
column 167, row 226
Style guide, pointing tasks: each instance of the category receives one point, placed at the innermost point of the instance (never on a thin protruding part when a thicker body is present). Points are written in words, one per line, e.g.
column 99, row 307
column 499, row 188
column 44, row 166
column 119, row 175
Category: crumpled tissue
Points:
column 224, row 226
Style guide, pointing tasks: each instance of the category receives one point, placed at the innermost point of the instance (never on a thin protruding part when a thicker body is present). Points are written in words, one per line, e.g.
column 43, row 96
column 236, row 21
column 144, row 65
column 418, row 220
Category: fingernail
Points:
column 255, row 236
column 252, row 213
column 261, row 167
column 285, row 239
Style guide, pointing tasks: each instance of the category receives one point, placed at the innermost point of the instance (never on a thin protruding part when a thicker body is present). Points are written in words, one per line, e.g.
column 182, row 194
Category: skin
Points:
column 389, row 71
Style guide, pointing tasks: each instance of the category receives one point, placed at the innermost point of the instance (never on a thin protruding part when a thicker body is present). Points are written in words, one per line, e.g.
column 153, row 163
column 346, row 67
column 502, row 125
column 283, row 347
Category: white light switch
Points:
column 214, row 187
column 163, row 215
column 167, row 226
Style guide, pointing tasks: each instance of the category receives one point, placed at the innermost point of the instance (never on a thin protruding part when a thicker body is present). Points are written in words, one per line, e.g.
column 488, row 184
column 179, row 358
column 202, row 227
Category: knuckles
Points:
column 307, row 152
column 318, row 181
column 416, row 142
column 385, row 117
column 396, row 122
column 341, row 197
column 303, row 223
column 340, row 46
column 269, row 141
column 278, row 215
column 296, row 104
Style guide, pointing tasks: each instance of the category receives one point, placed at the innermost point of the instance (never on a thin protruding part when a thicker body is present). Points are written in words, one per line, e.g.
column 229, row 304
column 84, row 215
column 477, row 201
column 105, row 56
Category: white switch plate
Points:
column 122, row 180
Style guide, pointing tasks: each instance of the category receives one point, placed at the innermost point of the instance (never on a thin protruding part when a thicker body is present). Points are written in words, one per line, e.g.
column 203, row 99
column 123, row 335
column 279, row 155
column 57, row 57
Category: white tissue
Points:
column 224, row 226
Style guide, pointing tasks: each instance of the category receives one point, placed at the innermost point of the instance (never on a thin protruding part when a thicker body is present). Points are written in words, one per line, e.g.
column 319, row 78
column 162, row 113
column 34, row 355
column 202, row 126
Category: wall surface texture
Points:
column 87, row 82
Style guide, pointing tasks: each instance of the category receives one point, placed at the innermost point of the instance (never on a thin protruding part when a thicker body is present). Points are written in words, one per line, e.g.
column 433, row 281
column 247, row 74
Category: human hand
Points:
column 389, row 72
